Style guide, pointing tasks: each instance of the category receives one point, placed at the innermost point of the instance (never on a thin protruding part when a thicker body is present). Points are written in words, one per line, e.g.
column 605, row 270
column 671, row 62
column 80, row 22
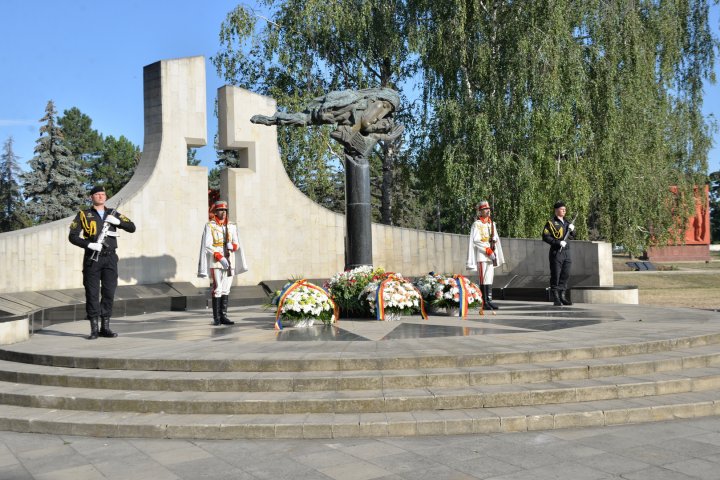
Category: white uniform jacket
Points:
column 214, row 239
column 480, row 236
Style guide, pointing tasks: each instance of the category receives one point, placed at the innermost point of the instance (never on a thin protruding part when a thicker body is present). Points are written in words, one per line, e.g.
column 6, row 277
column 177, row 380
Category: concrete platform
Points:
column 531, row 366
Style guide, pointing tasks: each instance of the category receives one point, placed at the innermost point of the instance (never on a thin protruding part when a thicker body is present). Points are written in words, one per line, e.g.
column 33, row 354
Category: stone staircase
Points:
column 327, row 396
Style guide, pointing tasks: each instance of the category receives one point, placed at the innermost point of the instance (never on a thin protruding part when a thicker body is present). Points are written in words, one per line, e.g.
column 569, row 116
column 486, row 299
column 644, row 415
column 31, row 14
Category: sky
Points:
column 90, row 54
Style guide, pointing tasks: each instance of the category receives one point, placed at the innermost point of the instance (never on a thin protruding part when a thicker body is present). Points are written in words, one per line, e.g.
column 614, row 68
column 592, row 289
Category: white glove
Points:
column 230, row 246
column 95, row 246
column 225, row 264
column 571, row 227
column 112, row 220
column 563, row 244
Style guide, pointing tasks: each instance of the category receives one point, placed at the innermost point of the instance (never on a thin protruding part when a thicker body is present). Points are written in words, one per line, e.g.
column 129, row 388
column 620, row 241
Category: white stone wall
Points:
column 165, row 198
column 284, row 233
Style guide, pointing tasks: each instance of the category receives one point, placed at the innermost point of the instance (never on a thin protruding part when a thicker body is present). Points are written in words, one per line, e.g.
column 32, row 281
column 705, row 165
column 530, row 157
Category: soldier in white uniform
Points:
column 485, row 252
column 221, row 257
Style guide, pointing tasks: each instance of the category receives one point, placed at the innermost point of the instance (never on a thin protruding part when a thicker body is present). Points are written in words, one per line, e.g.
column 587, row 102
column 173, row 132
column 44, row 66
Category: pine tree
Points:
column 54, row 184
column 12, row 207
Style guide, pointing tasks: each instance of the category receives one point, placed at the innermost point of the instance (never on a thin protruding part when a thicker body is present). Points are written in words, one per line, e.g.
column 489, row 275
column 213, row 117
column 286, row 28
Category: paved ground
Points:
column 675, row 451
column 678, row 450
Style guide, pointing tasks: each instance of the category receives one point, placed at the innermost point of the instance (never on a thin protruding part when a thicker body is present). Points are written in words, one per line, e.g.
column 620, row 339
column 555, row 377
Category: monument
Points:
column 363, row 118
column 691, row 241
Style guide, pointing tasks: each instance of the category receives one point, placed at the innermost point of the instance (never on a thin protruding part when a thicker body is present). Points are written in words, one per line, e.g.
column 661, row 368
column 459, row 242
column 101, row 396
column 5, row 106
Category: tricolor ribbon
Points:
column 380, row 298
column 463, row 295
column 289, row 289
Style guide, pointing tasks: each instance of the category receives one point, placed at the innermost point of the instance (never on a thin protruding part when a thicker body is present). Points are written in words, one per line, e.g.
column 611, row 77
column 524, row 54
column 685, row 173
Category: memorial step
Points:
column 441, row 422
column 288, row 361
column 363, row 401
column 254, row 381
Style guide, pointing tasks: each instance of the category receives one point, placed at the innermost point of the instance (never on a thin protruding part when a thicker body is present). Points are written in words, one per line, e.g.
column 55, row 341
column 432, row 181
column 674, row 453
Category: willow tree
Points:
column 590, row 101
column 310, row 47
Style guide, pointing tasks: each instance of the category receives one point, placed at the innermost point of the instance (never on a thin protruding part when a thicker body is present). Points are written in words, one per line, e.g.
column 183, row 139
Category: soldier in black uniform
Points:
column 556, row 233
column 100, row 260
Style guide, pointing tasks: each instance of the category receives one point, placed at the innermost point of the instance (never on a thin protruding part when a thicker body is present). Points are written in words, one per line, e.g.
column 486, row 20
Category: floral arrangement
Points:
column 427, row 285
column 346, row 287
column 448, row 292
column 302, row 300
column 392, row 295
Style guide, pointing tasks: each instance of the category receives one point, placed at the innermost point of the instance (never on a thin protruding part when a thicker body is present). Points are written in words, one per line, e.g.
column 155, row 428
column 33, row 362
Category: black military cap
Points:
column 559, row 204
column 97, row 189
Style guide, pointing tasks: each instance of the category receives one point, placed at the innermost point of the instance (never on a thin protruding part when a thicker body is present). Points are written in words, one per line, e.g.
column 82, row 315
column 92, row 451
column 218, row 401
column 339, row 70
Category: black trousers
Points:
column 560, row 264
column 100, row 280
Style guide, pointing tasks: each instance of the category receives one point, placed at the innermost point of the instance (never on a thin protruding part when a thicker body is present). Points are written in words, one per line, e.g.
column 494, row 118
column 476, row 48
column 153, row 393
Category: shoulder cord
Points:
column 90, row 228
column 555, row 232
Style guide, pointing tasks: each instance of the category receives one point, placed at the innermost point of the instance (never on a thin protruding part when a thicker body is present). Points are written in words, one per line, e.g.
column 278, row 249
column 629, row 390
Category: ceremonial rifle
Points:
column 492, row 243
column 567, row 230
column 226, row 240
column 103, row 233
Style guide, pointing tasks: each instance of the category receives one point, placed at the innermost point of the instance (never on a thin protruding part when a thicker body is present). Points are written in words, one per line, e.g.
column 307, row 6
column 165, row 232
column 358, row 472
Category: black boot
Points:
column 487, row 296
column 556, row 298
column 105, row 329
column 223, row 311
column 565, row 300
column 216, row 310
column 93, row 328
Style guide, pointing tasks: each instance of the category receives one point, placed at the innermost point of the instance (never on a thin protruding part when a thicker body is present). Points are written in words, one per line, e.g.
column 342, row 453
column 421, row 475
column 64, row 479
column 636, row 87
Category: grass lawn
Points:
column 676, row 284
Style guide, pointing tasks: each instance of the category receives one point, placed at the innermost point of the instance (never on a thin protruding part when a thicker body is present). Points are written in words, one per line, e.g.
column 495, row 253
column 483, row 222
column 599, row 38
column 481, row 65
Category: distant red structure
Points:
column 697, row 233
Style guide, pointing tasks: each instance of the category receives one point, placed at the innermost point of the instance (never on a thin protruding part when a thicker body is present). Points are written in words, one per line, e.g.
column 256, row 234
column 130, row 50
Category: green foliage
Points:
column 192, row 159
column 115, row 165
column 104, row 160
column 214, row 179
column 521, row 103
column 309, row 48
column 594, row 103
column 715, row 206
column 347, row 287
column 83, row 141
column 12, row 206
column 53, row 186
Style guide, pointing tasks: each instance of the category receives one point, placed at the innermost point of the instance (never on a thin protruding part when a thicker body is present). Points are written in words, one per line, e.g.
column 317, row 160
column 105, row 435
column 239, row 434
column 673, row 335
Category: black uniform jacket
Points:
column 88, row 224
column 554, row 231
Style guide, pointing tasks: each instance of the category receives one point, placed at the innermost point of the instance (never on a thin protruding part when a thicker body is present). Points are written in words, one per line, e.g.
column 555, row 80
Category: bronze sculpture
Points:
column 362, row 119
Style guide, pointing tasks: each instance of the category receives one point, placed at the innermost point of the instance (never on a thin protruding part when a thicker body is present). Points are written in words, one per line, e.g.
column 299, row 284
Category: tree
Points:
column 309, row 48
column 54, row 184
column 192, row 159
column 12, row 206
column 84, row 142
column 214, row 178
column 594, row 103
column 115, row 165
column 106, row 161
column 715, row 206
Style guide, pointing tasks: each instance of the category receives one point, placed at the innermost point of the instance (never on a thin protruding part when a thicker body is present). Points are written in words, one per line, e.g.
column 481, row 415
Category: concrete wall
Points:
column 284, row 233
column 165, row 198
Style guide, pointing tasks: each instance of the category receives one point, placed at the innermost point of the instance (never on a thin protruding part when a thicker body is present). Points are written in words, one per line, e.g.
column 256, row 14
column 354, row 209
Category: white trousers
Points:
column 486, row 272
column 221, row 282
